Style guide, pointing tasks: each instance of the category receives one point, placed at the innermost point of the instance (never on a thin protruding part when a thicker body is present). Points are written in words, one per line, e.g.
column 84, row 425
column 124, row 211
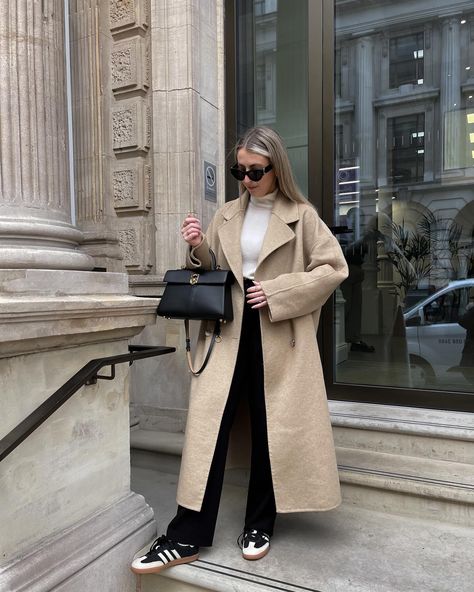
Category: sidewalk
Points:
column 348, row 549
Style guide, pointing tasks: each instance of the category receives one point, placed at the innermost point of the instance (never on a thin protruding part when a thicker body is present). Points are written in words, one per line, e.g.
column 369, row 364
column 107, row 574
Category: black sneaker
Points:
column 164, row 553
column 255, row 544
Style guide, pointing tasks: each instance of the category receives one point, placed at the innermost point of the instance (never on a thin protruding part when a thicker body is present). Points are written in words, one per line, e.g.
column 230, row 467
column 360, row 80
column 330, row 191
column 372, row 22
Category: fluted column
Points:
column 451, row 91
column 91, row 103
column 35, row 216
column 364, row 110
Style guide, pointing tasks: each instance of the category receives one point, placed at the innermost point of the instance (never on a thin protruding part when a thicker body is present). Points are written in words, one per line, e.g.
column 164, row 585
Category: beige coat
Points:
column 299, row 267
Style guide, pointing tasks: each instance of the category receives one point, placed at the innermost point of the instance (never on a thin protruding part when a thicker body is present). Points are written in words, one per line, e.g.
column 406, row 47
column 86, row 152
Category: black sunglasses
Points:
column 252, row 174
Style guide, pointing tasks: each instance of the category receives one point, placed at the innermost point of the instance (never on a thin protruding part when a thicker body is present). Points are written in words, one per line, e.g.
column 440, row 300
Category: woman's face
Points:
column 250, row 160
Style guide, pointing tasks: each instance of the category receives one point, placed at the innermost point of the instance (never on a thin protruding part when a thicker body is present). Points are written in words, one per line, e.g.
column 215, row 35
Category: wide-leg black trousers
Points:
column 197, row 528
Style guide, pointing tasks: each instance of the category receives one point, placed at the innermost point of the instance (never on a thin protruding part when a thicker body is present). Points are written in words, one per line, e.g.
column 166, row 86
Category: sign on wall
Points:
column 210, row 182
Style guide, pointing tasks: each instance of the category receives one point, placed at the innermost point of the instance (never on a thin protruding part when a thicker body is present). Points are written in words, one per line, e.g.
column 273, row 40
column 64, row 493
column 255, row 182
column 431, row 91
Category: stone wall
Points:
column 65, row 490
column 187, row 86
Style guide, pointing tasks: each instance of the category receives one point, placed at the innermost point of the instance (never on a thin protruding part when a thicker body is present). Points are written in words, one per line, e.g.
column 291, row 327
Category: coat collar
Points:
column 284, row 208
column 278, row 233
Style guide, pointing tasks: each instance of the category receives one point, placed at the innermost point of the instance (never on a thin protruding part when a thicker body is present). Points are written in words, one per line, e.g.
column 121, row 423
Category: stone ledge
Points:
column 442, row 480
column 160, row 442
column 55, row 560
column 16, row 282
column 29, row 324
column 405, row 420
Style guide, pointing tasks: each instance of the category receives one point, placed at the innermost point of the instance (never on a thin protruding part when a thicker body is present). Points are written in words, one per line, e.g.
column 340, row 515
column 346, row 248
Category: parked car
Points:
column 435, row 339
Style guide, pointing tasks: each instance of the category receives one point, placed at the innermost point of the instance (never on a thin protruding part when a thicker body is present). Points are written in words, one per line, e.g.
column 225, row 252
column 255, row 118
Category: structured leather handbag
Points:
column 198, row 294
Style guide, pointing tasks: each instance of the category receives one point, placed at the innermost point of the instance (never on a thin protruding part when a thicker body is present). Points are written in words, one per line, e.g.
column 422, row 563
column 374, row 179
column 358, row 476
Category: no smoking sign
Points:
column 210, row 181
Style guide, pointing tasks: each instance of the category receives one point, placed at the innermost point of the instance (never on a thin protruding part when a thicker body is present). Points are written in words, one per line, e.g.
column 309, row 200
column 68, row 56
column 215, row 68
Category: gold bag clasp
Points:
column 193, row 280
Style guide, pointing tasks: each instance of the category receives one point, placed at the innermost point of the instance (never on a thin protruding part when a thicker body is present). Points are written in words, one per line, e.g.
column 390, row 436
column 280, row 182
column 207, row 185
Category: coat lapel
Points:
column 229, row 237
column 278, row 232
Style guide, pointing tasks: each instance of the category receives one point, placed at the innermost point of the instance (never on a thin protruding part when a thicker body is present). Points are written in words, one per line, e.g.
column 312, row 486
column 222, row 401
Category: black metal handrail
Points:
column 89, row 374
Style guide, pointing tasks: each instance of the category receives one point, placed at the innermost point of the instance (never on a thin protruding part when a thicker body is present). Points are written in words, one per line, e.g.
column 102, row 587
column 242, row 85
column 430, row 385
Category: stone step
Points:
column 411, row 485
column 209, row 575
column 347, row 549
column 421, row 433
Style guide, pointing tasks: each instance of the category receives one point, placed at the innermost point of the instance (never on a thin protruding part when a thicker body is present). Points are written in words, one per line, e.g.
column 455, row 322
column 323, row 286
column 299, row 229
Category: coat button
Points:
column 292, row 343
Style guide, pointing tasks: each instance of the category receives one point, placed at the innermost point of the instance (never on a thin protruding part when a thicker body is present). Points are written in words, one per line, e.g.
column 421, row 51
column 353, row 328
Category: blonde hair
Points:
column 267, row 142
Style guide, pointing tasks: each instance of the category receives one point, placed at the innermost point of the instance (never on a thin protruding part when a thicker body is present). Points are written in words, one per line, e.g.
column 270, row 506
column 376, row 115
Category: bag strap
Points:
column 214, row 265
column 215, row 335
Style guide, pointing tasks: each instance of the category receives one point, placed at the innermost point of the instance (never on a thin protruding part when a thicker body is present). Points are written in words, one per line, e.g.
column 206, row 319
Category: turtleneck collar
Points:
column 266, row 201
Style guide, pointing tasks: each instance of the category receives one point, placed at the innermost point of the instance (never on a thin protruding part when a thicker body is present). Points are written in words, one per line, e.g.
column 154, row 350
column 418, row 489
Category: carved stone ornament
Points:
column 128, row 239
column 128, row 15
column 135, row 243
column 131, row 187
column 129, row 66
column 130, row 126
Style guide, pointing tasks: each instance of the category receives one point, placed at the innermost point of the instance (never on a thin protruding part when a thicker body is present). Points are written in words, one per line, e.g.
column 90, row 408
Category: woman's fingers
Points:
column 191, row 230
column 256, row 296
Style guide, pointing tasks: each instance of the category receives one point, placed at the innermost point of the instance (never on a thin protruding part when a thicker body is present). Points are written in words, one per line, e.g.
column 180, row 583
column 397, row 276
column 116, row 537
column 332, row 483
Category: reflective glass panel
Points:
column 272, row 73
column 404, row 194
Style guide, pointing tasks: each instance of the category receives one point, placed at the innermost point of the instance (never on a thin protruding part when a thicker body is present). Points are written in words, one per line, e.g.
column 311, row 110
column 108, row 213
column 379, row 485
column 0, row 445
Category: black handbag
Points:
column 198, row 294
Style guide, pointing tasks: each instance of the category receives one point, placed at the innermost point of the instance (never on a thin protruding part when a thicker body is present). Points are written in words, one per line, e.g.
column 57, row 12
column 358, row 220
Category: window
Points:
column 405, row 224
column 407, row 60
column 444, row 309
column 337, row 73
column 339, row 143
column 265, row 7
column 396, row 330
column 272, row 74
column 406, row 148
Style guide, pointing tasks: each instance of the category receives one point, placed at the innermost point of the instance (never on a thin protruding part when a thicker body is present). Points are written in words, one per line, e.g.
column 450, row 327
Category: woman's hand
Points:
column 256, row 297
column 191, row 230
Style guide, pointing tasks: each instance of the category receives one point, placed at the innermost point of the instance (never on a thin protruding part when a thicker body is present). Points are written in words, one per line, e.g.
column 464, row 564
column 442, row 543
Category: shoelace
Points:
column 253, row 536
column 163, row 541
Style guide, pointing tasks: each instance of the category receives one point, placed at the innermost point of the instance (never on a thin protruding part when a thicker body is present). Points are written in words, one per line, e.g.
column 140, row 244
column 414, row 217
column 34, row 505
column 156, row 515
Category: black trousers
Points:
column 197, row 528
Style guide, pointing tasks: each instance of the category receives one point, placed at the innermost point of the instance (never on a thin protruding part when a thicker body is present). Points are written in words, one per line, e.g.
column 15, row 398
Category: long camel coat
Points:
column 299, row 267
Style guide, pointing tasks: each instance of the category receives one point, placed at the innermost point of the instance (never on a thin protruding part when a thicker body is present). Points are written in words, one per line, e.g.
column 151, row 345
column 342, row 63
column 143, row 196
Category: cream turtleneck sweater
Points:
column 257, row 217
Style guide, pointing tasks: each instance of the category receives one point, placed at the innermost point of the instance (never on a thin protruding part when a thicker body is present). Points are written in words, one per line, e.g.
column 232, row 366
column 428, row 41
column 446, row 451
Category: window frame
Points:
column 420, row 159
column 397, row 37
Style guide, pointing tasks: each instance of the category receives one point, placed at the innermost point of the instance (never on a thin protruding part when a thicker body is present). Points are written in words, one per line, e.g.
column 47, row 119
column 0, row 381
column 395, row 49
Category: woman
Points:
column 286, row 263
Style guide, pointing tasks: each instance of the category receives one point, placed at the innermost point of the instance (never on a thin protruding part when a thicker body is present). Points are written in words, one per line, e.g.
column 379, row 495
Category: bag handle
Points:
column 215, row 335
column 214, row 265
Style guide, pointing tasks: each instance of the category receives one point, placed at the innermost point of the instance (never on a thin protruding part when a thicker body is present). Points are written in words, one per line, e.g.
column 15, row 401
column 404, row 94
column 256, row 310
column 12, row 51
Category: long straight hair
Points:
column 267, row 142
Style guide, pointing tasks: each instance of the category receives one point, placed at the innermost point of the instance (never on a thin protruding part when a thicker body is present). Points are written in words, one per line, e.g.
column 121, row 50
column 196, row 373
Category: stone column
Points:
column 35, row 209
column 364, row 110
column 91, row 43
column 450, row 99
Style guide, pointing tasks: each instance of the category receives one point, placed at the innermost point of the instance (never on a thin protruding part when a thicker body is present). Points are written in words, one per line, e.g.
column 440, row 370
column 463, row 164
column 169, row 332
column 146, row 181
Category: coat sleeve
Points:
column 292, row 295
column 199, row 256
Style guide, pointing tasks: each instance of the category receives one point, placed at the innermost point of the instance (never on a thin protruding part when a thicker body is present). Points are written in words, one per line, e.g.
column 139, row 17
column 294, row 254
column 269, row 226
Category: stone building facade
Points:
column 111, row 119
column 101, row 153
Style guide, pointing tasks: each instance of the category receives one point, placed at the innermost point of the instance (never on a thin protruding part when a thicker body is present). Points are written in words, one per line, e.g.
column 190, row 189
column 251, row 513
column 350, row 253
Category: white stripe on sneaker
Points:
column 168, row 555
column 176, row 554
column 163, row 558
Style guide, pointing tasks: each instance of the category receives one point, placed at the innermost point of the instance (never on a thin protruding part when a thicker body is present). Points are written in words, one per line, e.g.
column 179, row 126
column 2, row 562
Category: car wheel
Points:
column 422, row 374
